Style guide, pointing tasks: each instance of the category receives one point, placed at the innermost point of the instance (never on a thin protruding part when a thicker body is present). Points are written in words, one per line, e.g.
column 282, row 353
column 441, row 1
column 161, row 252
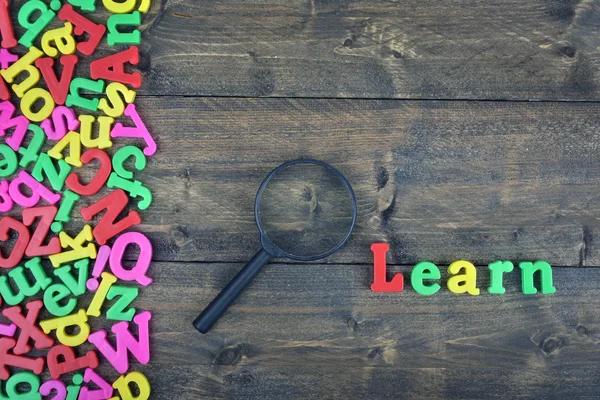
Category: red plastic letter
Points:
column 35, row 247
column 6, row 26
column 70, row 363
column 6, row 225
column 28, row 326
column 380, row 284
column 33, row 364
column 99, row 179
column 114, row 204
column 112, row 67
column 4, row 93
column 58, row 88
column 83, row 25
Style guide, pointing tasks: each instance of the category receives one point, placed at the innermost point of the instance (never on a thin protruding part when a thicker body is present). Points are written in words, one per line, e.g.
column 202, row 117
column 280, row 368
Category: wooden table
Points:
column 469, row 130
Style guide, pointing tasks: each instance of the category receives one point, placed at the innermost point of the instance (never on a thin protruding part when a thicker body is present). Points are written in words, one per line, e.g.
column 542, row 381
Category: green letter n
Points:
column 528, row 270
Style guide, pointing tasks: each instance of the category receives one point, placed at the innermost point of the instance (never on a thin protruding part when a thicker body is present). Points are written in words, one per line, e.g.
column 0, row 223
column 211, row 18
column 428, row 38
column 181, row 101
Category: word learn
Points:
column 463, row 276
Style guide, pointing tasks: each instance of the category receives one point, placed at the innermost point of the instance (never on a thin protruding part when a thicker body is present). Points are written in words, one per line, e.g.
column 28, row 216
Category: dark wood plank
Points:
column 508, row 49
column 438, row 181
column 317, row 331
column 338, row 382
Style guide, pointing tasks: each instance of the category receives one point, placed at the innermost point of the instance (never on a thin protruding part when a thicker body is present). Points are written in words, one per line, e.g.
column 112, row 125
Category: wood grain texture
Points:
column 505, row 49
column 438, row 181
column 317, row 331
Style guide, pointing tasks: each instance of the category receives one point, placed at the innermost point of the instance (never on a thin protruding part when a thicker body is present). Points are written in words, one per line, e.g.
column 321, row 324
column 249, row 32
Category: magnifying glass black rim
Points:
column 268, row 245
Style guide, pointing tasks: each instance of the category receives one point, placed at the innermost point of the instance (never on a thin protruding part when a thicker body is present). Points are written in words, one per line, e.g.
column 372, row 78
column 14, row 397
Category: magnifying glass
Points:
column 305, row 210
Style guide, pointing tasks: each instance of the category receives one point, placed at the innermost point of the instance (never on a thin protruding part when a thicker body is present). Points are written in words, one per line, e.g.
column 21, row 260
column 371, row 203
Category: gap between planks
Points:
column 415, row 99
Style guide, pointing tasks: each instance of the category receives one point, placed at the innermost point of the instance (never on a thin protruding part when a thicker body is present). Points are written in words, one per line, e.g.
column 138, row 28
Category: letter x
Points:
column 28, row 327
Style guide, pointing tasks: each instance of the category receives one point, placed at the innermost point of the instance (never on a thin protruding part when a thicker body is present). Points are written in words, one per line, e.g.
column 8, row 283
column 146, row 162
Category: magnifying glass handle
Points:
column 221, row 303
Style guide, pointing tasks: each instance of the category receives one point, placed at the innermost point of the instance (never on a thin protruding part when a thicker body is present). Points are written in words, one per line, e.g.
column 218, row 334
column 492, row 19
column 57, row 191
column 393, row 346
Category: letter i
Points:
column 73, row 390
column 64, row 212
column 96, row 304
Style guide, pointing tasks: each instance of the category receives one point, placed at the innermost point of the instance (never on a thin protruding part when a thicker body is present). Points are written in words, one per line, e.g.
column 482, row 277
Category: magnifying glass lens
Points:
column 306, row 210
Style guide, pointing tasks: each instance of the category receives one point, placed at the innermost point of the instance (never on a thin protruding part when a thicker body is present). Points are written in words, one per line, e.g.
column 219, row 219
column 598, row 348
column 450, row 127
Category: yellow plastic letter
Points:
column 23, row 64
column 466, row 282
column 117, row 106
column 125, row 7
column 122, row 385
column 29, row 100
column 73, row 140
column 103, row 140
column 62, row 38
column 76, row 244
column 61, row 324
column 96, row 304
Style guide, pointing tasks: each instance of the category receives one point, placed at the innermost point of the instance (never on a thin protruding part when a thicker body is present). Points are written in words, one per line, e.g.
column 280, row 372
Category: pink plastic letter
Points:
column 63, row 118
column 54, row 384
column 105, row 391
column 37, row 190
column 20, row 124
column 6, row 202
column 138, row 272
column 8, row 330
column 125, row 341
column 139, row 131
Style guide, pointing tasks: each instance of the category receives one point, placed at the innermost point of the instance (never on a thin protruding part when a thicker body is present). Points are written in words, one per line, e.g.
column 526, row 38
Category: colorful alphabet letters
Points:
column 425, row 276
column 56, row 161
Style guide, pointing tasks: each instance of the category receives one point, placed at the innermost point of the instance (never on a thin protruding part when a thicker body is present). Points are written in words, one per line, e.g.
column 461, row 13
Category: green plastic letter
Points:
column 115, row 36
column 135, row 189
column 53, row 295
column 117, row 311
column 77, row 287
column 9, row 164
column 121, row 156
column 55, row 176
column 529, row 269
column 421, row 271
column 497, row 268
column 75, row 99
column 64, row 211
column 22, row 283
column 24, row 385
column 45, row 16
column 30, row 154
